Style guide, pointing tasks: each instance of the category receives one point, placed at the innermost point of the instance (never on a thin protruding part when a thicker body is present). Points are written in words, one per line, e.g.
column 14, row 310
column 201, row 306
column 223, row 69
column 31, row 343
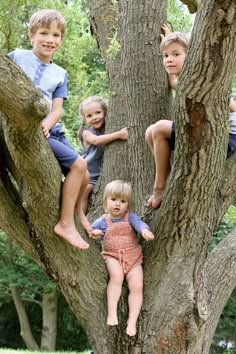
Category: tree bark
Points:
column 25, row 329
column 181, row 286
column 49, row 331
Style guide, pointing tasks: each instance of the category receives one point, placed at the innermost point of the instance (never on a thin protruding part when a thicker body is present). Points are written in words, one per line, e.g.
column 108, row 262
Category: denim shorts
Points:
column 231, row 144
column 61, row 148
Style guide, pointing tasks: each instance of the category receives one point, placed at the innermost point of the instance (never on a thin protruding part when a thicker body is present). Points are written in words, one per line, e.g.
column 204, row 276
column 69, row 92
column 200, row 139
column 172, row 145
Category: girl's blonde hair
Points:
column 118, row 189
column 44, row 18
column 92, row 99
column 176, row 37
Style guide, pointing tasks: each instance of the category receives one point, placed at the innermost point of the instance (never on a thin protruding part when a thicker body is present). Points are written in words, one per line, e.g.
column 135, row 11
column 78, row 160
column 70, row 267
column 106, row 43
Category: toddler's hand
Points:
column 147, row 235
column 95, row 234
column 124, row 134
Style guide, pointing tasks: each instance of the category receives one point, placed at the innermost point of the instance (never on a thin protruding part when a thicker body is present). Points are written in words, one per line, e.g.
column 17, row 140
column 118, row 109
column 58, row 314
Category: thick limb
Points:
column 135, row 284
column 157, row 136
column 70, row 192
column 113, row 289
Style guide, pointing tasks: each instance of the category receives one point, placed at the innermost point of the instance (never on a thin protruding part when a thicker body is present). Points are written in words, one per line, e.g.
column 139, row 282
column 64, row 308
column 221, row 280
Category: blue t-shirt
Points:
column 50, row 79
column 134, row 220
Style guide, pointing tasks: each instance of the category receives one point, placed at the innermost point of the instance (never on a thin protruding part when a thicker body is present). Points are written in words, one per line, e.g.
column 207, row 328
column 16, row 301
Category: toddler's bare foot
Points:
column 156, row 199
column 84, row 221
column 112, row 320
column 131, row 329
column 71, row 235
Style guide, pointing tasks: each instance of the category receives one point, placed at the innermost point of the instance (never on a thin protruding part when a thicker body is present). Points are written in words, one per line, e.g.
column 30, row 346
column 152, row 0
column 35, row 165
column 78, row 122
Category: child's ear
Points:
column 31, row 37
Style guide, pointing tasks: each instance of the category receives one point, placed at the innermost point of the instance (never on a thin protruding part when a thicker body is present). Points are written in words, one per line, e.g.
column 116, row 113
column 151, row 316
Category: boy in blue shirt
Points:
column 46, row 30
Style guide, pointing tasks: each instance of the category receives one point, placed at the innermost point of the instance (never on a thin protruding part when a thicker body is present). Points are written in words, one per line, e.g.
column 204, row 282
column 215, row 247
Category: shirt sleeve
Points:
column 61, row 91
column 137, row 224
column 11, row 55
column 100, row 224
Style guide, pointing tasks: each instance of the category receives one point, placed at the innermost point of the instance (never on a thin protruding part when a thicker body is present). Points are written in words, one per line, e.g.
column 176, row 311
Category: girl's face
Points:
column 116, row 206
column 173, row 58
column 94, row 115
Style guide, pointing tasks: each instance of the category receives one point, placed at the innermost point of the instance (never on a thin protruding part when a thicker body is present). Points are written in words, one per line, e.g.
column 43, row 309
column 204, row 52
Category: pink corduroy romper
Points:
column 120, row 242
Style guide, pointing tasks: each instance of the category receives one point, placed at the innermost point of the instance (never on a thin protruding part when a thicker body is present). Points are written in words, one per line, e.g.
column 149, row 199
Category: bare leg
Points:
column 113, row 289
column 135, row 284
column 70, row 191
column 84, row 221
column 157, row 136
column 85, row 197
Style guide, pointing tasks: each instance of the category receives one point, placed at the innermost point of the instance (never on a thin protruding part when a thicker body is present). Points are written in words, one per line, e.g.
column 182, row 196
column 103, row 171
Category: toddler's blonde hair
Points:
column 92, row 99
column 44, row 18
column 176, row 37
column 118, row 189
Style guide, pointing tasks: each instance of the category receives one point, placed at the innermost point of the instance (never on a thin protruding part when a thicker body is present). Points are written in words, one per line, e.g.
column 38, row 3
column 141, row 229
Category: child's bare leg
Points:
column 135, row 284
column 113, row 289
column 70, row 191
column 85, row 197
column 157, row 136
column 84, row 221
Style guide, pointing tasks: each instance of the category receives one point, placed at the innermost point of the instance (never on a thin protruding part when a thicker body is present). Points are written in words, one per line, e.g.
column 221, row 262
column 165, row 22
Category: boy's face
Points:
column 46, row 41
column 173, row 58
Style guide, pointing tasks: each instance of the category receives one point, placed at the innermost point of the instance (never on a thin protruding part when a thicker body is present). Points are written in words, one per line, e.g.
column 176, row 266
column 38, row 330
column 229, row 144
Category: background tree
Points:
column 185, row 289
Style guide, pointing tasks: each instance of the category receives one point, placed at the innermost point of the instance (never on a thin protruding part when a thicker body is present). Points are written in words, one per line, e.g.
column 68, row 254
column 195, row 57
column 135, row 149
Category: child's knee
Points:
column 162, row 129
column 80, row 165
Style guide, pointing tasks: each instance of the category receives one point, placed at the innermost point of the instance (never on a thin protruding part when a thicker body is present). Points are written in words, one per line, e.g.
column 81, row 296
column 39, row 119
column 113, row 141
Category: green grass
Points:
column 12, row 351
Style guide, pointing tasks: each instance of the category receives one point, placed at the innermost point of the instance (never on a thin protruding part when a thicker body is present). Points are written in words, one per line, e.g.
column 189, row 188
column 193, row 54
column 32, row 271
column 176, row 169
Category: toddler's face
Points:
column 173, row 58
column 94, row 115
column 46, row 41
column 116, row 207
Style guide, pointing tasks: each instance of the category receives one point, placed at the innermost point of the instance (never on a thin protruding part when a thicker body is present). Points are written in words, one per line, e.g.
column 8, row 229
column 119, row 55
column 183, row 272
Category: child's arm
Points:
column 173, row 80
column 93, row 139
column 53, row 117
column 99, row 227
column 140, row 227
column 232, row 105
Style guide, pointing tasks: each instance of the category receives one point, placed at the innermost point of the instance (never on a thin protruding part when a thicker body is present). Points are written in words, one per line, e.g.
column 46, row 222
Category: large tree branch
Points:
column 192, row 5
column 218, row 280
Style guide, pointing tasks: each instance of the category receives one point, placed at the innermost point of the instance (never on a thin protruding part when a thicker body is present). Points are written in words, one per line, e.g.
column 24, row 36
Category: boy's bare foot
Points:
column 71, row 235
column 84, row 221
column 131, row 329
column 112, row 320
column 156, row 199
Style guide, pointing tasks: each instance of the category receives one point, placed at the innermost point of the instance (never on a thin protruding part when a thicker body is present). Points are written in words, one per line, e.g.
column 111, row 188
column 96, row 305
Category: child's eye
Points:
column 123, row 201
column 113, row 199
column 57, row 35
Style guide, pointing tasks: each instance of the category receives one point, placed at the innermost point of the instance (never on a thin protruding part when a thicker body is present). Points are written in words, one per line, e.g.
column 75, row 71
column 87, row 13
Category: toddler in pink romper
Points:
column 121, row 251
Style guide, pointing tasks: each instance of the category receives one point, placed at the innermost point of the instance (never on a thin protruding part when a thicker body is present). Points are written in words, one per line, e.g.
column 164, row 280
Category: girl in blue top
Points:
column 93, row 138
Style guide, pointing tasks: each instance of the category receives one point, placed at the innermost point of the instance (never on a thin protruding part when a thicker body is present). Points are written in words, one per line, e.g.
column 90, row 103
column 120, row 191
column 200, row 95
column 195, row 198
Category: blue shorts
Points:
column 231, row 144
column 63, row 151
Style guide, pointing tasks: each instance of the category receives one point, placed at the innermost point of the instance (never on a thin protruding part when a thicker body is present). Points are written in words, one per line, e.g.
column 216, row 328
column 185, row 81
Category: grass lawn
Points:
column 12, row 351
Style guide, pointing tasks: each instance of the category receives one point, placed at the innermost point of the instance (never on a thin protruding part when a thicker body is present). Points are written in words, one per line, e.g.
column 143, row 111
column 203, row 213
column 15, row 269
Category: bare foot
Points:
column 112, row 320
column 71, row 235
column 84, row 221
column 131, row 329
column 156, row 199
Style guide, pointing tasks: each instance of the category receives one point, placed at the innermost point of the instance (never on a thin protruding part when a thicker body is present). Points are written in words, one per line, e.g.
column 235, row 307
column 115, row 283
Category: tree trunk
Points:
column 185, row 288
column 49, row 330
column 25, row 329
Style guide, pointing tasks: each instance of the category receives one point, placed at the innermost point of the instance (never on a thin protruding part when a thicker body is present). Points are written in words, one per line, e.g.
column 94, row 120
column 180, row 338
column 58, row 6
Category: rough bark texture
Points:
column 183, row 284
column 49, row 331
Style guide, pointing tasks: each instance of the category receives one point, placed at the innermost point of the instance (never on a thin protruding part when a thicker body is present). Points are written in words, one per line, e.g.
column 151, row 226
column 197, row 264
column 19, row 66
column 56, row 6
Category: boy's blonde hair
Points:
column 182, row 38
column 44, row 18
column 118, row 189
column 92, row 99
